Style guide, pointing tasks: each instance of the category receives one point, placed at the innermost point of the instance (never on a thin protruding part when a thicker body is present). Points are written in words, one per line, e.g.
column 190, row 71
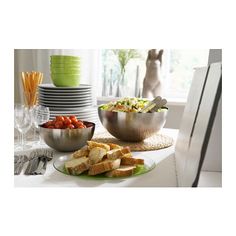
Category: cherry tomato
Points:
column 76, row 124
column 59, row 118
column 67, row 122
column 71, row 126
column 72, row 117
column 74, row 120
column 58, row 124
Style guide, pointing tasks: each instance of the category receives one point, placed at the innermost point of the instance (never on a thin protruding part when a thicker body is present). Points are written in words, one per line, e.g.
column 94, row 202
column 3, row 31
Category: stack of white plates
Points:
column 67, row 101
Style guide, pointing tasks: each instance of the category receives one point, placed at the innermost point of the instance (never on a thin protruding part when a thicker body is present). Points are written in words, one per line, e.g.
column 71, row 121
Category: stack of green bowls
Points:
column 65, row 70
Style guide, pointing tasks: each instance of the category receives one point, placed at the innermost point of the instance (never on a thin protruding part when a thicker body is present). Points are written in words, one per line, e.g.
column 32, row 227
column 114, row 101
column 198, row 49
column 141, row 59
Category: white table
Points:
column 164, row 173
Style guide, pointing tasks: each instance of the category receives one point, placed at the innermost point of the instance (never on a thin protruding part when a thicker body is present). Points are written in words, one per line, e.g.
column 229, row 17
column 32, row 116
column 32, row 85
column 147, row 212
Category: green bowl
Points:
column 66, row 80
column 65, row 76
column 65, row 70
column 67, row 64
column 64, row 59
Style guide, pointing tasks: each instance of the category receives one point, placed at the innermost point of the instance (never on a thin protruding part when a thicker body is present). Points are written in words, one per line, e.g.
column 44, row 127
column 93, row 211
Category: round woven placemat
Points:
column 155, row 142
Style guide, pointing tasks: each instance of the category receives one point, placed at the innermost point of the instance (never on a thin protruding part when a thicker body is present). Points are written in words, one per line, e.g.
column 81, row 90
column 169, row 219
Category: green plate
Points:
column 149, row 165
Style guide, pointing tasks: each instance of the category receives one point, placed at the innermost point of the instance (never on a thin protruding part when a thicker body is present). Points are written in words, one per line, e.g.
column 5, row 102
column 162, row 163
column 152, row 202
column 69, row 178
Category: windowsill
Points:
column 171, row 101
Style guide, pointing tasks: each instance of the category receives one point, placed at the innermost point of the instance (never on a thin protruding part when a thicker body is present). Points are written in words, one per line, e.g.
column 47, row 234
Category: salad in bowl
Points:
column 128, row 105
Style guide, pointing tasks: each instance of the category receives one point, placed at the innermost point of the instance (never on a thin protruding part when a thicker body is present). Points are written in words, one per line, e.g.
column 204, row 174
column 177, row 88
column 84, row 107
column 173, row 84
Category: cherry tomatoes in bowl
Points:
column 60, row 118
column 65, row 122
column 59, row 124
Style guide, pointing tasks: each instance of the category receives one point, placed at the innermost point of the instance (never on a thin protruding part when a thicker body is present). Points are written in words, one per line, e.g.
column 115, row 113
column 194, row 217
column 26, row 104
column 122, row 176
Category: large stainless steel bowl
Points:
column 67, row 140
column 132, row 126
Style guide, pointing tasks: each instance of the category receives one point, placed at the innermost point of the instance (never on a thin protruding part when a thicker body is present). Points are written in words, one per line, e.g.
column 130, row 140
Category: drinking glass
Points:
column 22, row 122
column 40, row 114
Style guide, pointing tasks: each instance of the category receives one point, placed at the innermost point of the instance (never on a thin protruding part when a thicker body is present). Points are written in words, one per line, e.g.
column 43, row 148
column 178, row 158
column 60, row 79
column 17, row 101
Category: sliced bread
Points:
column 127, row 155
column 114, row 154
column 122, row 171
column 125, row 150
column 104, row 166
column 114, row 146
column 132, row 161
column 92, row 144
column 77, row 166
column 81, row 153
column 96, row 155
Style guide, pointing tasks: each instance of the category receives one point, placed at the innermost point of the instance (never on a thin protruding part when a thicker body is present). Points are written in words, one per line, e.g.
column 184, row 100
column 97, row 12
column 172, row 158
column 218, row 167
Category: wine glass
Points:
column 22, row 122
column 40, row 114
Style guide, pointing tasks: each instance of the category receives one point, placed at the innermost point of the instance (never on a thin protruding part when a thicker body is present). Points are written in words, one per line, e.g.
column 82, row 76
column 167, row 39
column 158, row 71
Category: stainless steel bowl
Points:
column 131, row 126
column 67, row 140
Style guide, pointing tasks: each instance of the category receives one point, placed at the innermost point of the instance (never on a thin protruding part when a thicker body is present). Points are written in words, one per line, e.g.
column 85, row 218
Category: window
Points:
column 177, row 71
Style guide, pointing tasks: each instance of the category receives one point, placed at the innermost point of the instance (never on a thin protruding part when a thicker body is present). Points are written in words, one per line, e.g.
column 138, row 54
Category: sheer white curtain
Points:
column 39, row 60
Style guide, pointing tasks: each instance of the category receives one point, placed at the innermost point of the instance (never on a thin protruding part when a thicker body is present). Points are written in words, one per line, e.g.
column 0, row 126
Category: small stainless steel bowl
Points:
column 132, row 126
column 67, row 140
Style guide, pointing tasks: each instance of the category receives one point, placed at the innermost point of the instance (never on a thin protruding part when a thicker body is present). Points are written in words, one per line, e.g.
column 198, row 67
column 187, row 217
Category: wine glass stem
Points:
column 22, row 141
column 34, row 132
column 40, row 140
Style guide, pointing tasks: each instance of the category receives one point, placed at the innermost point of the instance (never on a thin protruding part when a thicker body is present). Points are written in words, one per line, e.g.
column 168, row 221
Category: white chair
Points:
column 195, row 132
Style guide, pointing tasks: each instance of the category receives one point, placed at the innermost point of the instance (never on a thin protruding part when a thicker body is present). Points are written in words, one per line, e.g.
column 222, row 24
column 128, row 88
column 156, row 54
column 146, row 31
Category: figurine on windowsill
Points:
column 152, row 84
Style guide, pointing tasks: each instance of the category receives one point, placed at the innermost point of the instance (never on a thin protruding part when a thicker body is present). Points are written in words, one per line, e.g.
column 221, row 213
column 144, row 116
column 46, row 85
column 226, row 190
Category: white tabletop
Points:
column 162, row 175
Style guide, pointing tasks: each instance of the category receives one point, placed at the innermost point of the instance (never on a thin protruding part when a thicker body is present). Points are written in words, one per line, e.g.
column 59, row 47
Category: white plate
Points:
column 65, row 98
column 66, row 109
column 52, row 87
column 65, row 93
column 80, row 109
column 85, row 104
column 56, row 95
column 72, row 113
column 50, row 102
column 75, row 112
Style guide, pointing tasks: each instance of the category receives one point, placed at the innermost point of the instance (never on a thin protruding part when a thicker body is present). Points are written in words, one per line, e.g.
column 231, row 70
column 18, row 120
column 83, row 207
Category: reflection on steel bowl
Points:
column 132, row 126
column 67, row 140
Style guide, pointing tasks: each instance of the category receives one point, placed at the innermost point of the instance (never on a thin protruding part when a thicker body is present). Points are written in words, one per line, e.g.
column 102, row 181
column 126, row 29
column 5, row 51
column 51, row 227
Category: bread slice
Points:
column 114, row 146
column 77, row 166
column 125, row 150
column 127, row 155
column 122, row 171
column 92, row 144
column 114, row 154
column 104, row 166
column 132, row 161
column 81, row 153
column 96, row 154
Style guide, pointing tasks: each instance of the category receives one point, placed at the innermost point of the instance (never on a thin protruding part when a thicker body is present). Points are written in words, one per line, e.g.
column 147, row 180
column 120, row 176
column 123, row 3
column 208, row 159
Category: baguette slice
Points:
column 127, row 155
column 125, row 150
column 96, row 154
column 104, row 166
column 92, row 144
column 132, row 161
column 81, row 153
column 77, row 166
column 114, row 146
column 122, row 171
column 114, row 154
